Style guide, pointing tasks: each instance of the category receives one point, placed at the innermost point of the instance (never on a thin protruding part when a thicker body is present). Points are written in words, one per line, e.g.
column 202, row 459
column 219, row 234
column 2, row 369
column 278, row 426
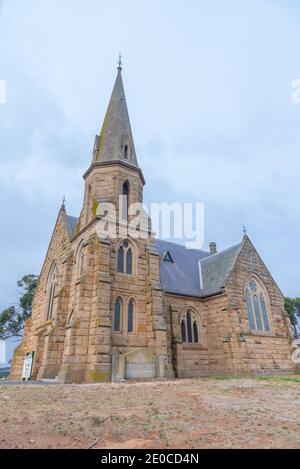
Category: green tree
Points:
column 292, row 305
column 13, row 318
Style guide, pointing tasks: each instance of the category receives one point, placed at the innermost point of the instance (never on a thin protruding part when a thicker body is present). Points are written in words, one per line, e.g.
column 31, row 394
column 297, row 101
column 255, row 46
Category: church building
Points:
column 144, row 308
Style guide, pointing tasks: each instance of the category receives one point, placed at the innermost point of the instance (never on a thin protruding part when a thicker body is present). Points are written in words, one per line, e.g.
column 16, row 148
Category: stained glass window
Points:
column 195, row 330
column 257, row 314
column 189, row 328
column 257, row 307
column 121, row 259
column 130, row 316
column 250, row 310
column 125, row 259
column 129, row 262
column 117, row 316
column 264, row 312
column 183, row 331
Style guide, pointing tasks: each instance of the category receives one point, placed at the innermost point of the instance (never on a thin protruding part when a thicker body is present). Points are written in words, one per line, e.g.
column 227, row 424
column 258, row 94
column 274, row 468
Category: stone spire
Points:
column 116, row 141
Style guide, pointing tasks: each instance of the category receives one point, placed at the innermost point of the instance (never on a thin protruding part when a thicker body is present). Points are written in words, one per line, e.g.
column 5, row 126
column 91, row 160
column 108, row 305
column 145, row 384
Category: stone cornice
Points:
column 100, row 164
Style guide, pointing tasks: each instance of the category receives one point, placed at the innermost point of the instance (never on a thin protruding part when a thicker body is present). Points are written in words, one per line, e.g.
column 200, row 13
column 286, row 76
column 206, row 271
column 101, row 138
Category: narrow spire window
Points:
column 126, row 152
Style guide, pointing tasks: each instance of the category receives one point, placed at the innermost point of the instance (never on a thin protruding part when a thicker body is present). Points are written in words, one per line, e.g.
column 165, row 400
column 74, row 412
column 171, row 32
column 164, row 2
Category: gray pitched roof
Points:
column 194, row 272
column 182, row 276
column 72, row 222
column 215, row 270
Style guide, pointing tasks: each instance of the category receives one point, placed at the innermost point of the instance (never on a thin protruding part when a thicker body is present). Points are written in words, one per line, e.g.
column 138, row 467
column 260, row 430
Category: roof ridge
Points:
column 181, row 245
column 213, row 256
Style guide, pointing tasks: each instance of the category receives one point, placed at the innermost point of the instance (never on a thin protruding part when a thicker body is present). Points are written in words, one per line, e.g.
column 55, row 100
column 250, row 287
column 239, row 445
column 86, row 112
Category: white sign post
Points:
column 27, row 366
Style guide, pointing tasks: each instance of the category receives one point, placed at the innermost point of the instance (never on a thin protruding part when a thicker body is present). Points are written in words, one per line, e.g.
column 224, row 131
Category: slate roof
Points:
column 216, row 269
column 72, row 222
column 193, row 272
column 182, row 276
column 116, row 131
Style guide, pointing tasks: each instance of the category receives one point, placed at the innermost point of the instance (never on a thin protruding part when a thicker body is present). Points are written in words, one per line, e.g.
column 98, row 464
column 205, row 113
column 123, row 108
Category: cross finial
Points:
column 63, row 202
column 120, row 62
column 244, row 230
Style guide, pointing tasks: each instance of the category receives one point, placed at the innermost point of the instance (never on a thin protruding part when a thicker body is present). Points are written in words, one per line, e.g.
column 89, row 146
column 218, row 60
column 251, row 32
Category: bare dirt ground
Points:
column 204, row 413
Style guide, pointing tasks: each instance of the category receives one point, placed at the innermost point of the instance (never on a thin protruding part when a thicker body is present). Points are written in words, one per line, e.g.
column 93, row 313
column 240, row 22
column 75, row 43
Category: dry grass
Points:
column 204, row 413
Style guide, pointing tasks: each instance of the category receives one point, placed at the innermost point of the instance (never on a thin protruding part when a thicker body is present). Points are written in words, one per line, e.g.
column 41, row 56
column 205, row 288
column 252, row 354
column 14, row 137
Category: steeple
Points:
column 115, row 142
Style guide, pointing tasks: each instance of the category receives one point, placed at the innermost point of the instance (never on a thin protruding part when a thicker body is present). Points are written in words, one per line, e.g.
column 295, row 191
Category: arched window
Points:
column 125, row 259
column 189, row 328
column 183, row 331
column 121, row 259
column 125, row 201
column 51, row 290
column 250, row 310
column 129, row 262
column 130, row 317
column 195, row 331
column 256, row 307
column 118, row 315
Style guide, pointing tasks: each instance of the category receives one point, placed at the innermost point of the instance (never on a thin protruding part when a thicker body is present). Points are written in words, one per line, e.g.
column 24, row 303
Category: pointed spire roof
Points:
column 115, row 142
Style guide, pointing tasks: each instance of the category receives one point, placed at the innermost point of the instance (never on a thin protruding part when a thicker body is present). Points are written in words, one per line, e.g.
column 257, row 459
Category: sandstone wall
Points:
column 255, row 352
column 46, row 337
column 212, row 354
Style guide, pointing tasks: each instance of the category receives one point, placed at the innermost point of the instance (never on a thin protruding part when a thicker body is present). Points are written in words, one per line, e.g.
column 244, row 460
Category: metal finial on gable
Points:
column 120, row 63
column 244, row 230
column 63, row 202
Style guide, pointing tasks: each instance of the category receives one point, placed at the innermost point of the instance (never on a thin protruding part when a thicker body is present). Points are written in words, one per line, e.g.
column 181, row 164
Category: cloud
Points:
column 209, row 92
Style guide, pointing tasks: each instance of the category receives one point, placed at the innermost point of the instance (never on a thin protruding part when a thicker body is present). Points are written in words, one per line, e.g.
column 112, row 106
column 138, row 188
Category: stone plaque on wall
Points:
column 140, row 365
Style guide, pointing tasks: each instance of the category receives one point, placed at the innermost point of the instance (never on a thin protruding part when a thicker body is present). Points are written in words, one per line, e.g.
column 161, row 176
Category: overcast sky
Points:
column 208, row 86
